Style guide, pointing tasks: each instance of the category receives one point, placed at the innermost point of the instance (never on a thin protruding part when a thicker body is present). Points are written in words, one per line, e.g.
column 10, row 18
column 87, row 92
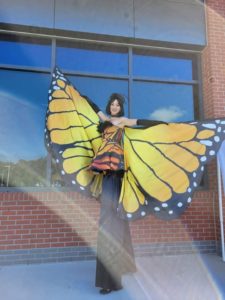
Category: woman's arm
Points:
column 95, row 107
column 102, row 116
column 149, row 123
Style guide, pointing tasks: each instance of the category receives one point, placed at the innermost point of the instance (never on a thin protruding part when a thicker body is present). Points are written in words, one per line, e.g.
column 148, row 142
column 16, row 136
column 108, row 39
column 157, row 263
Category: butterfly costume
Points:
column 157, row 168
column 163, row 165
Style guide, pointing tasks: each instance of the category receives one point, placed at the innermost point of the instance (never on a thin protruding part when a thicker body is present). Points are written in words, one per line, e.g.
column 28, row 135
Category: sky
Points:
column 23, row 100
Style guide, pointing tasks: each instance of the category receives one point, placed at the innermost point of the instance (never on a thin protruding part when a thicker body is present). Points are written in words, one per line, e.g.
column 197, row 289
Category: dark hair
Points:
column 120, row 100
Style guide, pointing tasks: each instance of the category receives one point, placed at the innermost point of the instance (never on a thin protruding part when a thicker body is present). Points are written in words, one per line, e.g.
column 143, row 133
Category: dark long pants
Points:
column 114, row 247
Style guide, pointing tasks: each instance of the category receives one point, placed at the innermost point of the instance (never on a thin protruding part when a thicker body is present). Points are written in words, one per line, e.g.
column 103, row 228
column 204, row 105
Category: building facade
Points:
column 166, row 57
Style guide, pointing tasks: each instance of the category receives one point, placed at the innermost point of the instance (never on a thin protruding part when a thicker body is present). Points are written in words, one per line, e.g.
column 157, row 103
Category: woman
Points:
column 182, row 148
column 115, row 255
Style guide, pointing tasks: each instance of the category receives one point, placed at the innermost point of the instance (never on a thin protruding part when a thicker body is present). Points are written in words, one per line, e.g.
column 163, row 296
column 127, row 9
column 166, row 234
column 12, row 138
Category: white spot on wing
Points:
column 206, row 142
column 209, row 125
column 156, row 208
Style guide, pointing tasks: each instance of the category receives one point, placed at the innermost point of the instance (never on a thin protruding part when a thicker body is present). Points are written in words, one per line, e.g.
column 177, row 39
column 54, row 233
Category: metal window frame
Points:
column 131, row 47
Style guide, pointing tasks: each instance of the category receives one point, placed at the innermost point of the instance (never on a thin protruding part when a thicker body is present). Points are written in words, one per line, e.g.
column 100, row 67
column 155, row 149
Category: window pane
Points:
column 25, row 52
column 99, row 90
column 162, row 67
column 92, row 59
column 23, row 100
column 167, row 102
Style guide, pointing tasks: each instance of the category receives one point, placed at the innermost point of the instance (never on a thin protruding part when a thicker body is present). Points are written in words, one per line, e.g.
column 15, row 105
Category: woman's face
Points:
column 115, row 108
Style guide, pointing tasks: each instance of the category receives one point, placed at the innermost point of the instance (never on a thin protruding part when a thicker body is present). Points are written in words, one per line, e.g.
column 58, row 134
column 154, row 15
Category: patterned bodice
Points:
column 110, row 153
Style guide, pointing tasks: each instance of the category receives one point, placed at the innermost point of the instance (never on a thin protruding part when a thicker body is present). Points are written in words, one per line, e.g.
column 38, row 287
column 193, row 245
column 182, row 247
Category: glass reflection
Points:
column 99, row 89
column 93, row 59
column 23, row 100
column 158, row 67
column 167, row 102
column 25, row 52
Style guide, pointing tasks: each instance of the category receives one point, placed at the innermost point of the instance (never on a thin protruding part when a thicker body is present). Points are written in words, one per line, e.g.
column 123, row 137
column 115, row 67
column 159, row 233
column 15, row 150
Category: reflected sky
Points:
column 25, row 54
column 167, row 102
column 23, row 98
column 99, row 89
column 92, row 60
column 162, row 67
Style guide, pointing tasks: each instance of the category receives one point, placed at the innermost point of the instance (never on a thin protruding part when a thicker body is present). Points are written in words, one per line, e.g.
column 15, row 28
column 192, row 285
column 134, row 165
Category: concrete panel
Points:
column 181, row 21
column 27, row 12
column 171, row 21
column 197, row 2
column 96, row 16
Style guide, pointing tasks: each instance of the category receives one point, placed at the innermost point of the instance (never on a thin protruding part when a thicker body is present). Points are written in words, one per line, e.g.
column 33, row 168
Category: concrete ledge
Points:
column 46, row 255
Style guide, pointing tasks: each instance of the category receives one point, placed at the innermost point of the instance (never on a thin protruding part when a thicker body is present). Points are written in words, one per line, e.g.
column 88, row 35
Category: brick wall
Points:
column 213, row 70
column 47, row 219
column 67, row 220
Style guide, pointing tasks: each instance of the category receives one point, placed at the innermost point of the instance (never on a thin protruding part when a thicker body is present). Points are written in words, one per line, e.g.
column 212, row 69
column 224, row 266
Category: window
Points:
column 162, row 101
column 164, row 86
column 160, row 85
column 21, row 51
column 91, row 58
column 23, row 100
column 158, row 66
column 99, row 89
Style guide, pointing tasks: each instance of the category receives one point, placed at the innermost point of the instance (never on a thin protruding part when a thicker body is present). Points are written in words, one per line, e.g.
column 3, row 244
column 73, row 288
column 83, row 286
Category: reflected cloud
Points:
column 10, row 99
column 167, row 114
column 22, row 127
